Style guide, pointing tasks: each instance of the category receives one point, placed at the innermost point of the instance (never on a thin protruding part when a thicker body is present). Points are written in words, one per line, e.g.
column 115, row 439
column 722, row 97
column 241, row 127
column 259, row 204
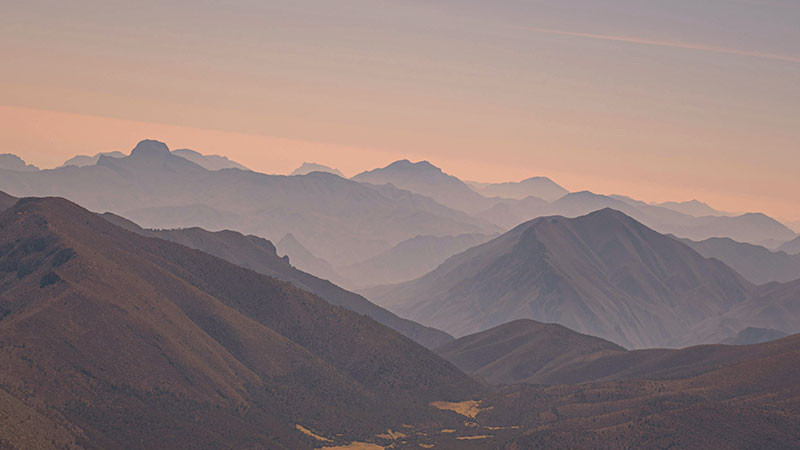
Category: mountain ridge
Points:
column 260, row 255
column 308, row 167
column 9, row 161
column 148, row 337
column 602, row 274
column 792, row 247
column 757, row 264
column 426, row 179
column 540, row 187
column 336, row 219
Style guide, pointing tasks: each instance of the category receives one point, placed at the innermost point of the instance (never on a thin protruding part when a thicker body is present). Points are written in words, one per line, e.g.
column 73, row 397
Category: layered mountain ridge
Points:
column 260, row 255
column 526, row 351
column 112, row 339
column 602, row 274
column 337, row 219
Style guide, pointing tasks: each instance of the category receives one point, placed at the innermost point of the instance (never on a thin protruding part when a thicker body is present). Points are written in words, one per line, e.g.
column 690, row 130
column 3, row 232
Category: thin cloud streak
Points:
column 669, row 44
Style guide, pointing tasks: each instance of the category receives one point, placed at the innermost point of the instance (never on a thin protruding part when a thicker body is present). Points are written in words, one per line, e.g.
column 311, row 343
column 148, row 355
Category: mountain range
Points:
column 426, row 179
column 694, row 208
column 602, row 274
column 86, row 160
column 210, row 162
column 702, row 397
column 300, row 257
column 757, row 264
column 307, row 167
column 754, row 228
column 15, row 163
column 526, row 351
column 114, row 336
column 792, row 247
column 337, row 219
column 110, row 339
column 513, row 203
column 357, row 229
column 539, row 187
column 409, row 259
column 260, row 255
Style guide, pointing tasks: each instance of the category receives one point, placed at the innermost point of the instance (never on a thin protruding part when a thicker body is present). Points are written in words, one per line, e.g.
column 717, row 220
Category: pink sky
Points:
column 651, row 99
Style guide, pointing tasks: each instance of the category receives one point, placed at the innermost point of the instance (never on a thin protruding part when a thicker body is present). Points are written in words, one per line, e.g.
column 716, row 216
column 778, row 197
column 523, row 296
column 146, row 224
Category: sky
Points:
column 659, row 100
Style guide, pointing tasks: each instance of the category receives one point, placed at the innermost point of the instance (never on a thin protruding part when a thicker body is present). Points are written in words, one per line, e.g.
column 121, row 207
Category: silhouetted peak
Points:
column 757, row 215
column 608, row 212
column 310, row 167
column 13, row 162
column 188, row 151
column 400, row 163
column 584, row 195
column 601, row 216
column 406, row 164
column 149, row 147
column 537, row 179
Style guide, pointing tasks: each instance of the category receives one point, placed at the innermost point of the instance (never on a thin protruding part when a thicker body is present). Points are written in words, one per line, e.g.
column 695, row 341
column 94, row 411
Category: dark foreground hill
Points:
column 523, row 351
column 257, row 254
column 113, row 340
column 526, row 351
column 750, row 403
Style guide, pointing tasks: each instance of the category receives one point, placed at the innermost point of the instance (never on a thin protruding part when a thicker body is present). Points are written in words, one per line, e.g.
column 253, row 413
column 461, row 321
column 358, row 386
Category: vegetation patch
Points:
column 62, row 256
column 48, row 279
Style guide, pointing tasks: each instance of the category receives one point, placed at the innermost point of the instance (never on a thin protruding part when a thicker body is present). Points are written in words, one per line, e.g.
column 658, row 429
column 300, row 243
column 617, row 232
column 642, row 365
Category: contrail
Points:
column 669, row 44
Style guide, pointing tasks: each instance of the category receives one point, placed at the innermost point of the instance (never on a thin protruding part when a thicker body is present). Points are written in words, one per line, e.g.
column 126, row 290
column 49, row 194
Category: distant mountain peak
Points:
column 611, row 212
column 587, row 195
column 209, row 162
column 536, row 178
column 792, row 247
column 692, row 207
column 86, row 160
column 406, row 164
column 579, row 272
column 537, row 186
column 149, row 147
column 426, row 179
column 288, row 237
column 188, row 151
column 10, row 161
column 309, row 167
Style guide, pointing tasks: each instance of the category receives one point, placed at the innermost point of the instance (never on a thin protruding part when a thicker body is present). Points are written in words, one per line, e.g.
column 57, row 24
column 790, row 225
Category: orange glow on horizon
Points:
column 48, row 138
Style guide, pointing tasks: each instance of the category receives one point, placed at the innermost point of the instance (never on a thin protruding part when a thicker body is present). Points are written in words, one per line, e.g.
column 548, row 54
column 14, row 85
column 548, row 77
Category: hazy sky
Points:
column 656, row 99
